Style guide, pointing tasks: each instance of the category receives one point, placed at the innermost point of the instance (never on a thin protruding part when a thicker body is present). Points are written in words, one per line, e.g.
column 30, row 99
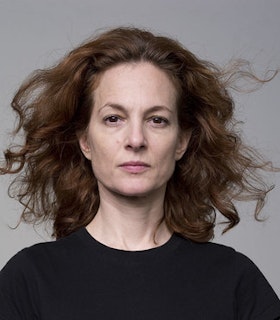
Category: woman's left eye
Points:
column 159, row 121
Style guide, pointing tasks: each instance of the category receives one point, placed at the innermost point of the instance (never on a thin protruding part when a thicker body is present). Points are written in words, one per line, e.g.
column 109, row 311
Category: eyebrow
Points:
column 123, row 109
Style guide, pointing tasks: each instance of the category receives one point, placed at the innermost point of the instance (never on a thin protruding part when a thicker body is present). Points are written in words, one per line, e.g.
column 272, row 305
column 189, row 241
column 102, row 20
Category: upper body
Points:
column 132, row 137
column 79, row 278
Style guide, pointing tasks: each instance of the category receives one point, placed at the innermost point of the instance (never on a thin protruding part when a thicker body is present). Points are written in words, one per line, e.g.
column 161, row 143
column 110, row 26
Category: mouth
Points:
column 134, row 166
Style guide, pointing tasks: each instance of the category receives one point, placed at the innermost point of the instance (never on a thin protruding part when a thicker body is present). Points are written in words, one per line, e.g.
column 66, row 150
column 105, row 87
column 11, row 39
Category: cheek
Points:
column 166, row 147
column 166, row 159
column 100, row 162
column 103, row 149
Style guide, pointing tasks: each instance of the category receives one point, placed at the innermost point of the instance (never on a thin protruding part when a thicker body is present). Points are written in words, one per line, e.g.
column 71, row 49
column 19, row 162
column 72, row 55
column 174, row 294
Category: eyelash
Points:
column 158, row 121
column 112, row 117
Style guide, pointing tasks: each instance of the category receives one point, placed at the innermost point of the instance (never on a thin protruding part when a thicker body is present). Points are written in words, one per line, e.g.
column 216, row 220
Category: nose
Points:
column 136, row 137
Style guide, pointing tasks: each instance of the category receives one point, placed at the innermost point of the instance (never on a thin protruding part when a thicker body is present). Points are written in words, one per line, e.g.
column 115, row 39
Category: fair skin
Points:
column 133, row 143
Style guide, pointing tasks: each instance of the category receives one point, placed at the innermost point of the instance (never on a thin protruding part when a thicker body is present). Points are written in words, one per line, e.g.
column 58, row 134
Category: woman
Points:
column 130, row 149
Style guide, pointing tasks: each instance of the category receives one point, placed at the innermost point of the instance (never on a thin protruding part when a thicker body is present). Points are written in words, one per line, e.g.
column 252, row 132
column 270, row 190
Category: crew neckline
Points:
column 172, row 243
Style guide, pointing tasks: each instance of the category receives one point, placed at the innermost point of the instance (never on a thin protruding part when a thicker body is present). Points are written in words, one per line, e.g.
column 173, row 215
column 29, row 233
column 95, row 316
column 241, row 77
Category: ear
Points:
column 182, row 144
column 84, row 145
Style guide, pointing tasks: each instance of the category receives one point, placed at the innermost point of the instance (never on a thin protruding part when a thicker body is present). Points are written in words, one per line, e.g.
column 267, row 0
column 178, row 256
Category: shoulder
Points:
column 240, row 263
column 45, row 253
column 233, row 274
column 232, row 271
column 213, row 253
column 220, row 261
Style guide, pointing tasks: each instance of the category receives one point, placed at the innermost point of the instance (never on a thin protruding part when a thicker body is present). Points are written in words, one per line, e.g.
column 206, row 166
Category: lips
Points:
column 134, row 166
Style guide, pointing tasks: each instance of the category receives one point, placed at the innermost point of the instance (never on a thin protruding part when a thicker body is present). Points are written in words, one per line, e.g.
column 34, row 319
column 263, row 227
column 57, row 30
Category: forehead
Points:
column 135, row 83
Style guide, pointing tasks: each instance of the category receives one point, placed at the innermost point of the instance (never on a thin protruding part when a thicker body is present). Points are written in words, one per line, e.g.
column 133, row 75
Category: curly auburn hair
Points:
column 55, row 181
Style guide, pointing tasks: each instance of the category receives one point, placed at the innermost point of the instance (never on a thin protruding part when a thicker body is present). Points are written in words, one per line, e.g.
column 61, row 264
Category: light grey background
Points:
column 35, row 33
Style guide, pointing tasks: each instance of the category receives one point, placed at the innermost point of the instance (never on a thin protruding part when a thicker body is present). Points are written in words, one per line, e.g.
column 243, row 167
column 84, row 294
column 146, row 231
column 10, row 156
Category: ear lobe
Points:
column 83, row 142
column 182, row 144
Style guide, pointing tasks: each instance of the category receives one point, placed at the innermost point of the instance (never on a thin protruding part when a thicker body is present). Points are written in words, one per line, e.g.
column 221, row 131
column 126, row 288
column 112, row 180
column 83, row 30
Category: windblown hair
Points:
column 55, row 181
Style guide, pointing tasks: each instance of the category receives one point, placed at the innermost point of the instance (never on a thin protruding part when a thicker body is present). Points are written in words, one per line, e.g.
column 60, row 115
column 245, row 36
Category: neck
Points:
column 129, row 223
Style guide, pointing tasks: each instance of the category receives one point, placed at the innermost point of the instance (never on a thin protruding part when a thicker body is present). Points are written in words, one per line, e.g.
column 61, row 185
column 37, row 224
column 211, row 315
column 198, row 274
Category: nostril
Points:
column 136, row 147
column 136, row 139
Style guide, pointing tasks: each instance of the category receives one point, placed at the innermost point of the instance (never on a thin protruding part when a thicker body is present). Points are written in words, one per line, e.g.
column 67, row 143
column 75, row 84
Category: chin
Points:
column 134, row 192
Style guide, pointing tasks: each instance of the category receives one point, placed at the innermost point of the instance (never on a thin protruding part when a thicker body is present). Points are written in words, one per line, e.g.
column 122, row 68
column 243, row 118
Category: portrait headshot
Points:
column 140, row 161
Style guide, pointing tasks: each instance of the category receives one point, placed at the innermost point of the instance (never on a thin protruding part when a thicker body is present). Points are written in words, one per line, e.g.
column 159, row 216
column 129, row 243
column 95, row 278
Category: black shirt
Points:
column 78, row 278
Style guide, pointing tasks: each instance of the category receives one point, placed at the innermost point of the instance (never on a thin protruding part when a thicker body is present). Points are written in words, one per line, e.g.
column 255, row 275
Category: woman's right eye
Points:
column 112, row 120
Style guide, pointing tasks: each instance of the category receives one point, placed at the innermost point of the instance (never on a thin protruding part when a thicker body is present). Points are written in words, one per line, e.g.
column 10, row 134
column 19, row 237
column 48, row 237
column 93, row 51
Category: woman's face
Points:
column 133, row 136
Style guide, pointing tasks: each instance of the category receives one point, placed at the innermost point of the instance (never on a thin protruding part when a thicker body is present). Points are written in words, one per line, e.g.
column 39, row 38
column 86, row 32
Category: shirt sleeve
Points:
column 255, row 296
column 17, row 290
